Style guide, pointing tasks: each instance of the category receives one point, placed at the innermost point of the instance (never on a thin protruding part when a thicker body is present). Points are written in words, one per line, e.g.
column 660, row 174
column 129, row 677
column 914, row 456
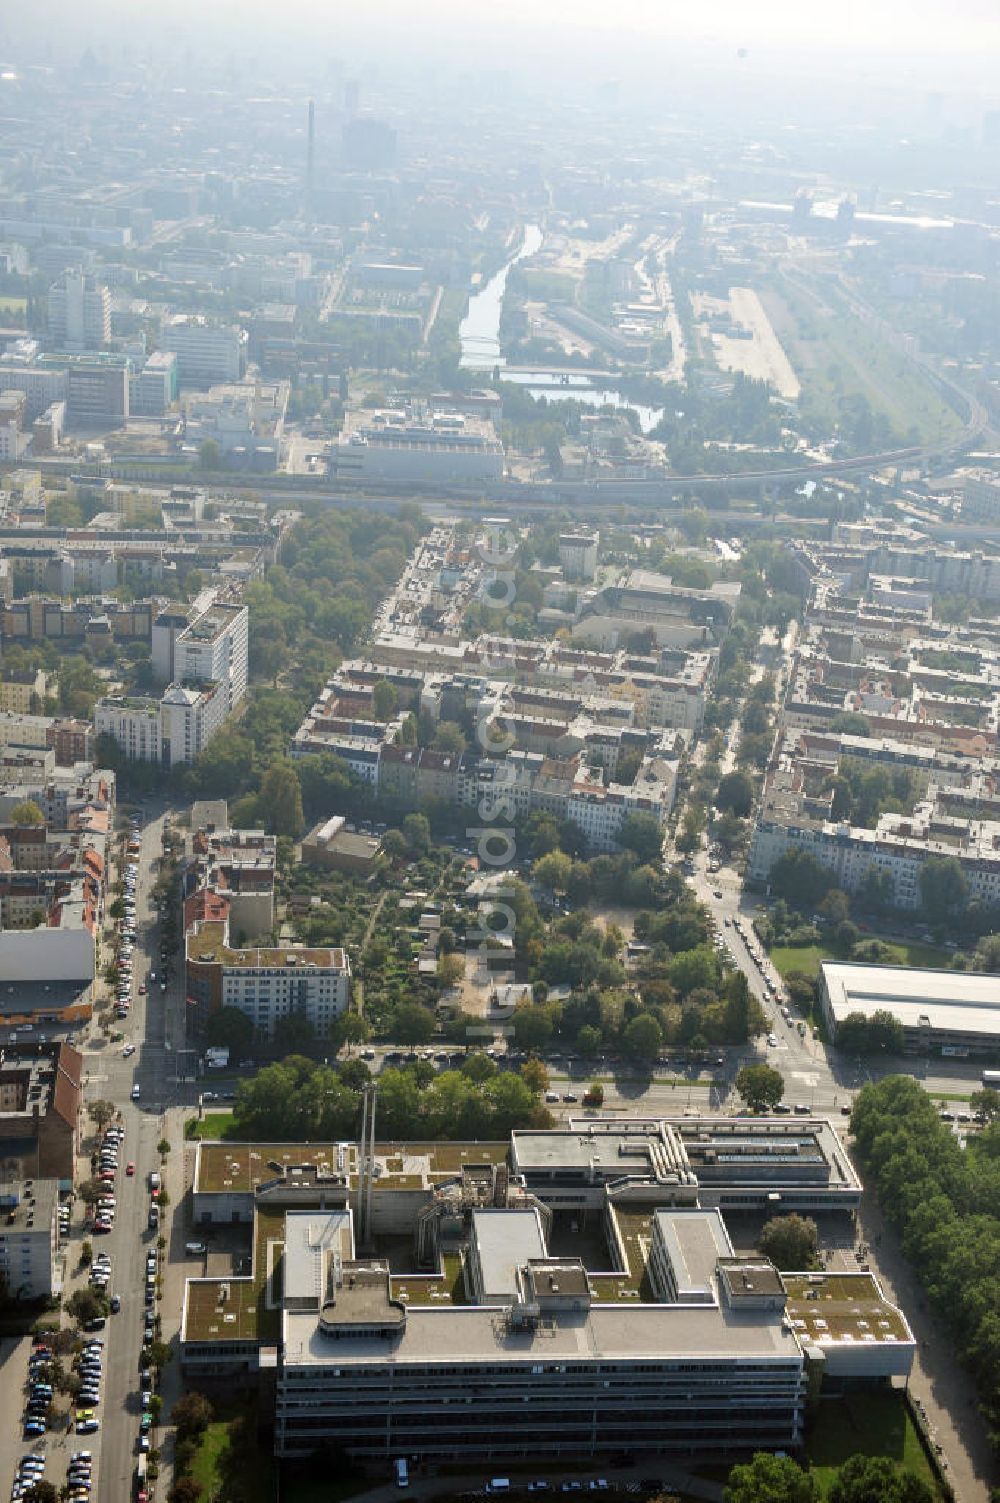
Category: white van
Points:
column 498, row 1485
column 135, row 1093
column 402, row 1472
column 195, row 1249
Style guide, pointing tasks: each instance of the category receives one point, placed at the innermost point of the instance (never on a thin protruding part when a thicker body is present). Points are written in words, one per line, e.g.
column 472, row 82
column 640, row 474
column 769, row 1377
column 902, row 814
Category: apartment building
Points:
column 29, row 1239
column 41, row 1106
column 79, row 313
column 267, row 984
column 22, row 690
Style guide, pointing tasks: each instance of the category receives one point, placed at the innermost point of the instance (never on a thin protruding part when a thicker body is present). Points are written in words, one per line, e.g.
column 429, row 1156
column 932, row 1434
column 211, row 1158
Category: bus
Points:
column 992, row 1078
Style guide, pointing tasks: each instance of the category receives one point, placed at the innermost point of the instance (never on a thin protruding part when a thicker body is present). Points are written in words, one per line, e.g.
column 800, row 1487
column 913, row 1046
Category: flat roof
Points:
column 505, row 1241
column 842, row 1307
column 637, row 1333
column 309, row 1236
column 951, row 1001
column 694, row 1241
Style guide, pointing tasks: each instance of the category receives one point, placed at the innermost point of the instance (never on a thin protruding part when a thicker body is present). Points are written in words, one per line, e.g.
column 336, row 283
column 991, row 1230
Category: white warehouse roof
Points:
column 943, row 1001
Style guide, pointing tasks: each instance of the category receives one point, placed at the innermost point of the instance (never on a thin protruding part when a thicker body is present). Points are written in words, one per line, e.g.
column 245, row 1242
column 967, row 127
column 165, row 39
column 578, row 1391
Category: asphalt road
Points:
column 110, row 1075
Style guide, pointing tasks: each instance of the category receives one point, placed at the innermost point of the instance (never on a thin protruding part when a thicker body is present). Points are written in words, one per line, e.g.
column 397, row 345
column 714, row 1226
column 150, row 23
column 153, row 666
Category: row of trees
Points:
column 861, row 1479
column 298, row 1099
column 945, row 1205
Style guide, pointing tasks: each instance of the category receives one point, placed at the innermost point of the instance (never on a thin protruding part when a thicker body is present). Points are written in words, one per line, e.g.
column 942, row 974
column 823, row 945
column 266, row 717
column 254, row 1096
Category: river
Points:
column 479, row 333
column 479, row 330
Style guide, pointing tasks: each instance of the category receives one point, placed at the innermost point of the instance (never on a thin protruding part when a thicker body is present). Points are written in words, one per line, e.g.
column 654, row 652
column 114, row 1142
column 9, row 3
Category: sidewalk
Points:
column 943, row 1387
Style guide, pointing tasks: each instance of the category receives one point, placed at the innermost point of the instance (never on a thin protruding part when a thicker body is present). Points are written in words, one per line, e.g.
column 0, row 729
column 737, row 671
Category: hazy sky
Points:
column 551, row 31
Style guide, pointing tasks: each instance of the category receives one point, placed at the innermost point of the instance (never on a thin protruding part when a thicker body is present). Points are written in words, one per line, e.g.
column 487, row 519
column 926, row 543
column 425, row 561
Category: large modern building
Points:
column 954, row 1013
column 79, row 313
column 564, row 1294
column 206, row 352
column 444, row 448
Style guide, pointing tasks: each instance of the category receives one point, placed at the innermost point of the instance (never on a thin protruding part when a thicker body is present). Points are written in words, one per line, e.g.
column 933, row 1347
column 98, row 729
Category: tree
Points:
column 385, row 700
column 231, row 1029
column 209, row 455
column 760, row 1086
column 986, row 1103
column 535, row 1076
column 101, row 1112
column 850, row 723
column 790, row 1242
column 449, row 737
column 417, row 832
column 394, row 845
column 641, row 833
column 643, row 1038
column 90, row 1191
column 159, row 1354
column 192, row 1414
column 943, row 888
column 735, row 793
column 281, row 799
column 800, row 879
column 412, row 1024
column 42, row 1491
column 26, row 813
column 987, row 956
column 163, row 1147
column 185, row 1490
column 594, row 1094
column 553, row 871
column 836, row 906
column 877, row 1479
column 533, row 1026
column 293, row 1032
column 770, row 1479
column 450, row 969
column 350, row 1028
column 85, row 1305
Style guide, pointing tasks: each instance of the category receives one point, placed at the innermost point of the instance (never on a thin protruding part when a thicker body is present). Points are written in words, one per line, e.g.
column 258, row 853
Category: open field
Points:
column 807, row 958
column 835, row 357
column 214, row 1125
column 874, row 1424
column 230, row 1465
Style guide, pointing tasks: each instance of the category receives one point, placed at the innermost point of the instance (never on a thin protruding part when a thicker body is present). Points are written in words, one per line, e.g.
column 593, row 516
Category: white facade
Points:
column 134, row 724
column 189, row 718
column 79, row 313
column 578, row 554
column 213, row 649
column 206, row 352
column 29, row 1267
column 319, row 991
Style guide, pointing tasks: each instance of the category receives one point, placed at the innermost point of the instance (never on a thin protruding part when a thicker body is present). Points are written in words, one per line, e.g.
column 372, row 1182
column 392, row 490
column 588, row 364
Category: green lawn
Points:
column 875, row 1424
column 230, row 1465
column 807, row 957
column 215, row 1125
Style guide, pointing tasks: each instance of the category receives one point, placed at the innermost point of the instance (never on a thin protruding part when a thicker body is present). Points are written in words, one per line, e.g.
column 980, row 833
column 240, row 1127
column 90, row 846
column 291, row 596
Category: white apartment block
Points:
column 578, row 554
column 79, row 313
column 206, row 352
column 213, row 649
column 318, row 989
column 29, row 1266
column 134, row 723
column 171, row 730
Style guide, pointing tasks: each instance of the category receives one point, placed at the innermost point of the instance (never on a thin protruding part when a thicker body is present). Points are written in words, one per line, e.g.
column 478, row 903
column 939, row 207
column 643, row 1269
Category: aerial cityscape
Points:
column 499, row 753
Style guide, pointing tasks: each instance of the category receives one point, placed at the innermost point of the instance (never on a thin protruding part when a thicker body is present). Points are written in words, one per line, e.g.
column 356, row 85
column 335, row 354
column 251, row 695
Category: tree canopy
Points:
column 760, row 1086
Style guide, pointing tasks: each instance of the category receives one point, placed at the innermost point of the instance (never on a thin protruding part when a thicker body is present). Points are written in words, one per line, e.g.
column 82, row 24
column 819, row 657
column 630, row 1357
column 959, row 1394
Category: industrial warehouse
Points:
column 953, row 1013
column 574, row 1290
